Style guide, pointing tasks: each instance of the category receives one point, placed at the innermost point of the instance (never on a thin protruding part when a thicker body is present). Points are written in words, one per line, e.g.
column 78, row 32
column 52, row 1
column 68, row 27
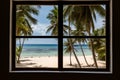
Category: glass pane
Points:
column 36, row 20
column 84, row 20
column 36, row 53
column 84, row 53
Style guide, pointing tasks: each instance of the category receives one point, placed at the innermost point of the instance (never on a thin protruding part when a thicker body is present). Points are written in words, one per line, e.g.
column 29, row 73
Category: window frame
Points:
column 60, row 39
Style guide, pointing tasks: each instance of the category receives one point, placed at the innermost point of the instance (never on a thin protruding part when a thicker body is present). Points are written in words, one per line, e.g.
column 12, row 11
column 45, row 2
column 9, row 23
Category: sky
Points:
column 43, row 23
column 40, row 28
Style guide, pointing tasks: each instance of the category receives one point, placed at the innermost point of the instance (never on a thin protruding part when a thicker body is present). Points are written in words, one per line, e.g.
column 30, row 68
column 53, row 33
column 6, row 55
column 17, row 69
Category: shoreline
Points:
column 52, row 62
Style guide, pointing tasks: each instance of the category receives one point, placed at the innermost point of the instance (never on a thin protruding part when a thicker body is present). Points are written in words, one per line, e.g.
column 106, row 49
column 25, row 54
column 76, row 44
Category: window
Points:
column 66, row 36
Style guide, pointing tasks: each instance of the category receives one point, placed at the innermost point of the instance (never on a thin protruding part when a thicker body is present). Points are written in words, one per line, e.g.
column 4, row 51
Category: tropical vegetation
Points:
column 24, row 19
column 83, row 19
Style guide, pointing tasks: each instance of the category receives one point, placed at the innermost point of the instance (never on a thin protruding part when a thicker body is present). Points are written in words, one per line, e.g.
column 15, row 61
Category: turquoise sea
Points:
column 30, row 50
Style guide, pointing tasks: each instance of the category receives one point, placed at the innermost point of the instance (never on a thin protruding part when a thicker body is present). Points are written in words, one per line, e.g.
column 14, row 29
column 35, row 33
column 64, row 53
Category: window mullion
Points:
column 60, row 34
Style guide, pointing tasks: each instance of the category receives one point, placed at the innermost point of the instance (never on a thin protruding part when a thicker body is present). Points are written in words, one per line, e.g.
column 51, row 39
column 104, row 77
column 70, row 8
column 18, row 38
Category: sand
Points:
column 52, row 62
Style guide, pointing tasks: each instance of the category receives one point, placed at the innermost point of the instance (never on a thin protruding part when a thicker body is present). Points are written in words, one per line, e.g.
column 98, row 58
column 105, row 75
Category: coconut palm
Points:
column 65, row 28
column 24, row 18
column 72, row 46
column 99, row 32
column 53, row 17
column 23, row 28
column 80, row 32
column 65, row 11
column 68, row 48
column 88, row 18
column 100, row 48
column 27, row 11
column 99, row 44
column 85, row 15
column 19, row 49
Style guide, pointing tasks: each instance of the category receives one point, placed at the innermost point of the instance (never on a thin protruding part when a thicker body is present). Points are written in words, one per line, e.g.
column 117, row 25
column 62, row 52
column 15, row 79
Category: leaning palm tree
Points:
column 85, row 15
column 72, row 46
column 80, row 32
column 89, row 14
column 24, row 17
column 27, row 11
column 53, row 17
column 69, row 32
column 68, row 48
column 23, row 28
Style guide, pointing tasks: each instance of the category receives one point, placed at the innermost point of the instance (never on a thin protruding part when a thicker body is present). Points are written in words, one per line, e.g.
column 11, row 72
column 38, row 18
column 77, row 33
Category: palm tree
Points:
column 99, row 32
column 72, row 46
column 85, row 15
column 68, row 48
column 65, row 28
column 100, row 48
column 65, row 12
column 53, row 17
column 24, row 18
column 99, row 44
column 80, row 32
column 19, row 49
column 26, row 11
column 23, row 28
column 90, row 11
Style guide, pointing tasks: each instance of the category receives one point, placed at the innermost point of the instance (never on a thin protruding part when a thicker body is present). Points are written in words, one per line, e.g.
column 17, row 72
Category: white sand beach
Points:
column 52, row 62
column 66, row 62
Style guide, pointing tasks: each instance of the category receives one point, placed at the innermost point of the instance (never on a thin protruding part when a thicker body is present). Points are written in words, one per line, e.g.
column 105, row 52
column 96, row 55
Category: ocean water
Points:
column 30, row 50
column 78, row 51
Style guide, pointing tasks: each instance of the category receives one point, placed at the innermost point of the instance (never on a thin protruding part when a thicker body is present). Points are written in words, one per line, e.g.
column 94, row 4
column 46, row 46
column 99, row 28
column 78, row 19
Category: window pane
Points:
column 36, row 20
column 84, row 53
column 84, row 20
column 36, row 53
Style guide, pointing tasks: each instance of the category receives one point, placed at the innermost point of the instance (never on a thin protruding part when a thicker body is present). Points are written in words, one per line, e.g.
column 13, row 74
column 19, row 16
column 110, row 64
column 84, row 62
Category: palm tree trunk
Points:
column 72, row 45
column 70, row 58
column 69, row 27
column 18, row 59
column 21, row 45
column 93, row 53
column 83, row 54
column 75, row 54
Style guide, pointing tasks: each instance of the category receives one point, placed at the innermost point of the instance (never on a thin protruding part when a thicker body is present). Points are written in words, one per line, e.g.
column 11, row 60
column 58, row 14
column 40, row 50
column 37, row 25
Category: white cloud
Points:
column 39, row 29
